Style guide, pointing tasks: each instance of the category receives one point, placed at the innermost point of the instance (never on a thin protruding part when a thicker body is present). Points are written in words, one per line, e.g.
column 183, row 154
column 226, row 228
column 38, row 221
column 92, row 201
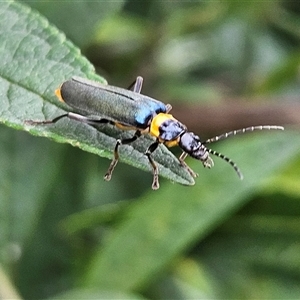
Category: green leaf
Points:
column 77, row 20
column 286, row 182
column 25, row 179
column 160, row 228
column 97, row 294
column 35, row 59
column 257, row 254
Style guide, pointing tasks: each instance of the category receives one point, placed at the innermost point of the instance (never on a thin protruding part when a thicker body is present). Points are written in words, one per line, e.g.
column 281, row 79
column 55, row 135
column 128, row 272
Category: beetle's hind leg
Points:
column 115, row 160
column 136, row 86
column 72, row 116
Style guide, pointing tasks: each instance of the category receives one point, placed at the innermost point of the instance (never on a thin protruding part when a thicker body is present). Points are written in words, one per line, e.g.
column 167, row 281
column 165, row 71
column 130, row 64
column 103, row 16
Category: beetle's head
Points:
column 190, row 143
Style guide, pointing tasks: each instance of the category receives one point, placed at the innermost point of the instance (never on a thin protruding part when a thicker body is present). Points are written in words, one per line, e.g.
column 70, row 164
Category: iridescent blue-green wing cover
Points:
column 122, row 106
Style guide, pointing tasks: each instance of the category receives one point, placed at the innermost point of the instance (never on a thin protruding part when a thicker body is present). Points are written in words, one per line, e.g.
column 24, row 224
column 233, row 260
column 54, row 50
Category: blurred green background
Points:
column 65, row 233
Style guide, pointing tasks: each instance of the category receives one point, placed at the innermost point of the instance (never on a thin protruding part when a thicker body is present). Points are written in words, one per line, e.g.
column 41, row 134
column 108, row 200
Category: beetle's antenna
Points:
column 240, row 131
column 233, row 133
column 232, row 163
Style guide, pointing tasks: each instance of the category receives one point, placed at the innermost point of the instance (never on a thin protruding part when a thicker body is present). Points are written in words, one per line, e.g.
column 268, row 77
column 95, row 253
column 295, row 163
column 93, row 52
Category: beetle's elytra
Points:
column 129, row 109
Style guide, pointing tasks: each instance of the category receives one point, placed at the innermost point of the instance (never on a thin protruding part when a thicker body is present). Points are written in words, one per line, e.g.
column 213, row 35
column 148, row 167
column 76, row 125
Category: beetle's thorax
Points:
column 166, row 129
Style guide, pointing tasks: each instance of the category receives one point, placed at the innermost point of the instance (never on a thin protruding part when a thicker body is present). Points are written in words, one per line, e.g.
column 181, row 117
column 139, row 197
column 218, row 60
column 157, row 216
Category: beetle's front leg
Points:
column 181, row 159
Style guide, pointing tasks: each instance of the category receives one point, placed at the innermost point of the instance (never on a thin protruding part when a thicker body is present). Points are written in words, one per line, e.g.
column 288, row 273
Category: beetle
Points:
column 128, row 109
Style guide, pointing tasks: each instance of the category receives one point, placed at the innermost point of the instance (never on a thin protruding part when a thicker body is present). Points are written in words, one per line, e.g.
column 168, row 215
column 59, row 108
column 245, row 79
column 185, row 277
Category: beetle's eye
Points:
column 196, row 138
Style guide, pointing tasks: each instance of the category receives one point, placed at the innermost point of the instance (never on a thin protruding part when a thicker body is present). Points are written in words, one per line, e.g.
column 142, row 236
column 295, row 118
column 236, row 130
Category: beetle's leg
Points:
column 136, row 86
column 181, row 159
column 149, row 151
column 72, row 116
column 115, row 160
column 168, row 107
column 32, row 122
column 87, row 120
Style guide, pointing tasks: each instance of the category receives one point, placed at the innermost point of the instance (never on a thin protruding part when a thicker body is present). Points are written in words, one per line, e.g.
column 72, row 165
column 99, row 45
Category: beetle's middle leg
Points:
column 115, row 160
column 149, row 151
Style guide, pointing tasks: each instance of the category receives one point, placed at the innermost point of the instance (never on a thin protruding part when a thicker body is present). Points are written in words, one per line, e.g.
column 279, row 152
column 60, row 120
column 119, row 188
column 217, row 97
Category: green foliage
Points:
column 64, row 233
